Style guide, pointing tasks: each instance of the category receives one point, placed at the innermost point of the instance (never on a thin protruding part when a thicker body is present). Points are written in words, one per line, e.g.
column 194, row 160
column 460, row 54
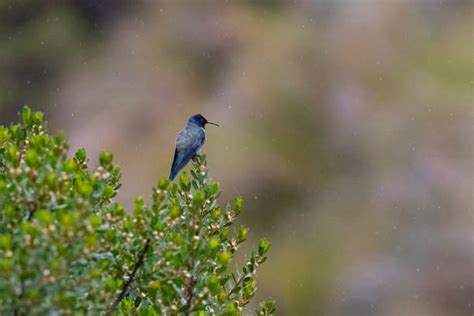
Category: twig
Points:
column 32, row 211
column 130, row 280
column 242, row 277
column 189, row 294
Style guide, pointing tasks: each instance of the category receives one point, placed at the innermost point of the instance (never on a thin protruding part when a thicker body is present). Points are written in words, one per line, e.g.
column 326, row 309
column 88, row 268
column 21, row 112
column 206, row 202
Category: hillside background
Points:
column 346, row 125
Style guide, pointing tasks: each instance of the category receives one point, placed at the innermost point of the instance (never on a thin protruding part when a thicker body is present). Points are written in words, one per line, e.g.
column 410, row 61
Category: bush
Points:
column 67, row 248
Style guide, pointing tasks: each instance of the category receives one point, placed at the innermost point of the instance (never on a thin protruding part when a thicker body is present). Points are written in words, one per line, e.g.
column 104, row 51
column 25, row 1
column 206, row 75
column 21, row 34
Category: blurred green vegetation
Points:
column 66, row 247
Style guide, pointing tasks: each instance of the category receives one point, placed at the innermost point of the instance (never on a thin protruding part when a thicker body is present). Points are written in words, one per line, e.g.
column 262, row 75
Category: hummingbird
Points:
column 189, row 142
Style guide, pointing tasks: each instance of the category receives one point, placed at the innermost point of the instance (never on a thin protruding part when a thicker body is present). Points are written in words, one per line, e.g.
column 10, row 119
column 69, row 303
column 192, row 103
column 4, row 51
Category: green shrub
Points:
column 67, row 248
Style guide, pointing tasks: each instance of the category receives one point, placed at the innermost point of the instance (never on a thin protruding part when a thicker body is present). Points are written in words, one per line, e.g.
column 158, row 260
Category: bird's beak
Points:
column 213, row 123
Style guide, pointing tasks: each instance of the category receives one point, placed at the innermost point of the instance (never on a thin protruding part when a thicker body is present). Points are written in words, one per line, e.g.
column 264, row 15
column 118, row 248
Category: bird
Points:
column 189, row 142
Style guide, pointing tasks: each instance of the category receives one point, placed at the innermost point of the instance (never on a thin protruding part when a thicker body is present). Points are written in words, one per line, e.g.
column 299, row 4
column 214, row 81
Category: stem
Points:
column 188, row 307
column 258, row 261
column 32, row 211
column 242, row 277
column 130, row 280
column 190, row 294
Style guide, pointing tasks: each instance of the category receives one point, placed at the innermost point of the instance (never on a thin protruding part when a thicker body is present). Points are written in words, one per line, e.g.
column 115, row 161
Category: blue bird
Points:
column 189, row 143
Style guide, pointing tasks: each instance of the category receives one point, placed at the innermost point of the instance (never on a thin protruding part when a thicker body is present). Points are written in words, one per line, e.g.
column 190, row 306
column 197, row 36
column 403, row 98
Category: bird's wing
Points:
column 188, row 142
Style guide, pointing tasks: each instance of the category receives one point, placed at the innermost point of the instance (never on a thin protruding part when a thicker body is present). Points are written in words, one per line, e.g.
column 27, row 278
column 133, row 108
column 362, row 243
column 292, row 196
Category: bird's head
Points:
column 200, row 120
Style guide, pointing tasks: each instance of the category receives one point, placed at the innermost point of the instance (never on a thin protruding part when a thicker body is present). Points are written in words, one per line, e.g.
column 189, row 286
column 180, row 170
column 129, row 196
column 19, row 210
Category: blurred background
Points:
column 346, row 125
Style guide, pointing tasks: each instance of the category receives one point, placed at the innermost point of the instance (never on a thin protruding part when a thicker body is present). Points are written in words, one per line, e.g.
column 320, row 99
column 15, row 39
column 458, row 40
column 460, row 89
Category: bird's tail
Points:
column 172, row 175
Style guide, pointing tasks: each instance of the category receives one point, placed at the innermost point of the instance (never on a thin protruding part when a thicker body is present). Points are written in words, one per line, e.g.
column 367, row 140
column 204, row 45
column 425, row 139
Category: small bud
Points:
column 4, row 135
column 263, row 246
column 139, row 204
column 85, row 188
column 38, row 118
column 175, row 211
column 184, row 181
column 154, row 284
column 5, row 241
column 105, row 158
column 94, row 220
column 216, row 214
column 44, row 217
column 80, row 155
column 239, row 202
column 213, row 243
column 163, row 184
column 242, row 233
column 51, row 180
column 31, row 158
column 69, row 166
column 26, row 115
column 12, row 154
column 198, row 199
column 224, row 258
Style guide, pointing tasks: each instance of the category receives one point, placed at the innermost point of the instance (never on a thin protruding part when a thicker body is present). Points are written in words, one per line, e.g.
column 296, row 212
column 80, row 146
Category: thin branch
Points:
column 32, row 211
column 189, row 294
column 258, row 261
column 242, row 277
column 188, row 307
column 130, row 280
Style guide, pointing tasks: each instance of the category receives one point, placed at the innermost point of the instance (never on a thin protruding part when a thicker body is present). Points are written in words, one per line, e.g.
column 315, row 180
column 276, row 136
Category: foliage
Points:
column 67, row 247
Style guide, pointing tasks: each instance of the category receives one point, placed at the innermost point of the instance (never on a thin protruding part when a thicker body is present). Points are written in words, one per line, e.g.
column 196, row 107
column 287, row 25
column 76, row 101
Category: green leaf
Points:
column 265, row 308
column 163, row 184
column 44, row 217
column 184, row 181
column 26, row 115
column 95, row 220
column 239, row 203
column 105, row 158
column 263, row 246
column 242, row 234
column 4, row 136
column 155, row 284
column 224, row 258
column 5, row 242
column 31, row 158
column 12, row 154
column 216, row 214
column 69, row 166
column 38, row 118
column 84, row 188
column 198, row 199
column 214, row 188
column 139, row 205
column 213, row 243
column 175, row 211
column 80, row 155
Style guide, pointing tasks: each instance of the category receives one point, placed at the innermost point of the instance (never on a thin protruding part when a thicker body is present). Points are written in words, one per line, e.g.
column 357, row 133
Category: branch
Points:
column 130, row 280
column 233, row 289
column 189, row 294
column 32, row 211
